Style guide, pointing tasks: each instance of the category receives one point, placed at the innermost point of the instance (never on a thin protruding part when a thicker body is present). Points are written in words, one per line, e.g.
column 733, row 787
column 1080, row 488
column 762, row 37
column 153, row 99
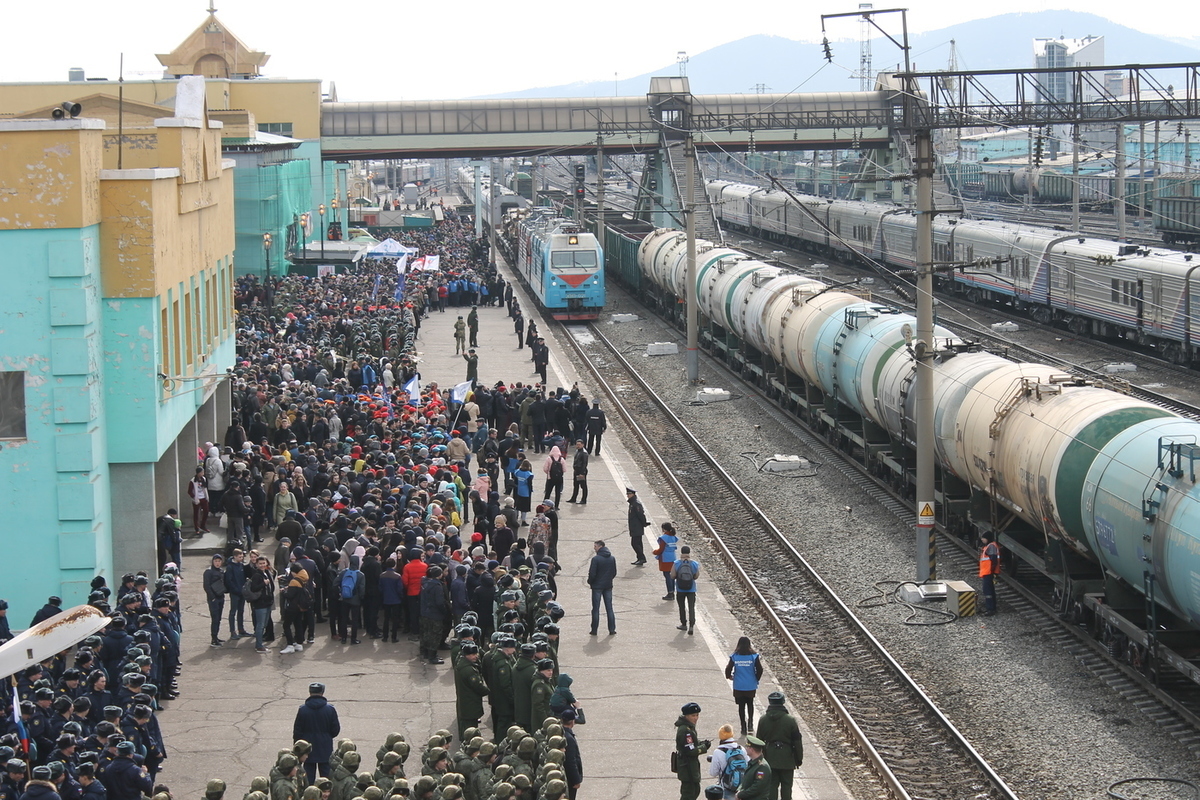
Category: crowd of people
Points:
column 357, row 496
column 82, row 724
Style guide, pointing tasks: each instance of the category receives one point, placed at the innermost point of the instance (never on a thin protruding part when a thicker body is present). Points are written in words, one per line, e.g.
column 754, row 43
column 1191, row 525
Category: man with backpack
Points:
column 352, row 588
column 554, row 468
column 729, row 763
column 296, row 602
column 685, row 571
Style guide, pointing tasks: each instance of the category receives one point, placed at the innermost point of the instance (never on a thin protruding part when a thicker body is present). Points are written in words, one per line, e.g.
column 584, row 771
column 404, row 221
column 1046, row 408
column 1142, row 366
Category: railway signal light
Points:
column 580, row 172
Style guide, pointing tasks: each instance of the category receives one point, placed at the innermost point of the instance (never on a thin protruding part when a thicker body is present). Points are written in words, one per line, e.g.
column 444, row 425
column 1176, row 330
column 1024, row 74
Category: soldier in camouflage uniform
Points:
column 344, row 777
column 386, row 747
column 283, row 786
column 258, row 785
column 390, row 768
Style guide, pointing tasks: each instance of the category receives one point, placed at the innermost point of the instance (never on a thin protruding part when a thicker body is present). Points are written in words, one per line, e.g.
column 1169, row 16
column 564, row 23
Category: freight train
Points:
column 560, row 262
column 1090, row 487
column 1093, row 287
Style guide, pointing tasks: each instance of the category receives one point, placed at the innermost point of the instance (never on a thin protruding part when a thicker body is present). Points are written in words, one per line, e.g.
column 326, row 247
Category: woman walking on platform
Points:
column 745, row 669
column 665, row 553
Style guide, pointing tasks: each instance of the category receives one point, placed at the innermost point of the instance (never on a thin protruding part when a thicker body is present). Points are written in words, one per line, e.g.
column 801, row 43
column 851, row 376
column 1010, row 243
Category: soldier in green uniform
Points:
column 522, row 761
column 460, row 336
column 284, row 786
column 503, row 695
column 688, row 749
column 386, row 747
column 757, row 781
column 390, row 768
column 472, row 365
column 784, row 745
column 344, row 778
column 469, row 688
column 259, row 784
column 473, row 325
column 540, row 693
column 344, row 746
column 523, row 685
column 479, row 783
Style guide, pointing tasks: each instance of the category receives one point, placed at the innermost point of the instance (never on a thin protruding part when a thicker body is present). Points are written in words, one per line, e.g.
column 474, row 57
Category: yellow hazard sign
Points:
column 925, row 517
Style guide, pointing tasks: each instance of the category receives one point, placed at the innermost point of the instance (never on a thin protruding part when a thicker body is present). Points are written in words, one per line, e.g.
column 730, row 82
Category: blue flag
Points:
column 375, row 291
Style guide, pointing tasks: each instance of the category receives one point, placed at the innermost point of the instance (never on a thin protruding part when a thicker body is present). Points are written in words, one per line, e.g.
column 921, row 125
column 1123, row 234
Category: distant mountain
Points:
column 786, row 65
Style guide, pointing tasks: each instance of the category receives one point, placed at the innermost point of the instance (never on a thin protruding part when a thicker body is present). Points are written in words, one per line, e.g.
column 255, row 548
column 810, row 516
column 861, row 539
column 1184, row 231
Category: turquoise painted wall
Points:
column 55, row 497
column 142, row 420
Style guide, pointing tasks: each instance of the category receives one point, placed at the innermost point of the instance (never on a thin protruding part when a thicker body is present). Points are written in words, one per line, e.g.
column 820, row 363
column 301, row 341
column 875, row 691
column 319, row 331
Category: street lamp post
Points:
column 304, row 218
column 333, row 204
column 321, row 211
column 267, row 282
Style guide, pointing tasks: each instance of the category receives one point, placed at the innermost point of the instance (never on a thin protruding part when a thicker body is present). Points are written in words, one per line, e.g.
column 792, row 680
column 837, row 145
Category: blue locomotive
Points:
column 562, row 264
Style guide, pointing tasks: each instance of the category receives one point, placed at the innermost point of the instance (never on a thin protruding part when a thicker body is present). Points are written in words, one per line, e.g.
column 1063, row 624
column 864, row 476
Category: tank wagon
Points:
column 1092, row 488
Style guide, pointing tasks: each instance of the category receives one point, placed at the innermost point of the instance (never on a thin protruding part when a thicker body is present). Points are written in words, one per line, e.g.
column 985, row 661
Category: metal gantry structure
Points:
column 934, row 100
column 916, row 104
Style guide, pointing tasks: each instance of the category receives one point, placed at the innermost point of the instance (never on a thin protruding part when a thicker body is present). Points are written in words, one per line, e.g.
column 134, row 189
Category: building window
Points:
column 12, row 405
column 280, row 128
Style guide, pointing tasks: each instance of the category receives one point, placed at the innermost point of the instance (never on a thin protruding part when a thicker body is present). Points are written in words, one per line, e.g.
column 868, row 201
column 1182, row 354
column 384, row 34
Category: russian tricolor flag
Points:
column 22, row 734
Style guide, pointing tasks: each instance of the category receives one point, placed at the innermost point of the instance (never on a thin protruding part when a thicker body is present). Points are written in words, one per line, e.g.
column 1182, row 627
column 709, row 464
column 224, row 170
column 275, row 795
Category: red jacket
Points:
column 413, row 573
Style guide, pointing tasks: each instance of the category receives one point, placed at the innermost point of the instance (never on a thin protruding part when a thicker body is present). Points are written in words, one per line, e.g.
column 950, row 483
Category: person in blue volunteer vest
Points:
column 665, row 553
column 745, row 669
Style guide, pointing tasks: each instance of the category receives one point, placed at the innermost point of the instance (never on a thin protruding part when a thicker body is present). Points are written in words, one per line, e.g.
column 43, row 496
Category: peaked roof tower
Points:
column 212, row 51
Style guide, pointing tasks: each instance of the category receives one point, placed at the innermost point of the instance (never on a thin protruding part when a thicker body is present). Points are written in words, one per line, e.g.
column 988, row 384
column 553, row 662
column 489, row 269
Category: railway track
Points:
column 912, row 748
column 1172, row 702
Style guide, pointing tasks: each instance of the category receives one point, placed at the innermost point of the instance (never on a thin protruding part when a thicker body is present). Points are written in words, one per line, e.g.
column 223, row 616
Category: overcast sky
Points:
column 388, row 50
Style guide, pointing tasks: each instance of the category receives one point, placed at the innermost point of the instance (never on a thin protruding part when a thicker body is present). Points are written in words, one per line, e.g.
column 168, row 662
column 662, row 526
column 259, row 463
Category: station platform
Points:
column 236, row 708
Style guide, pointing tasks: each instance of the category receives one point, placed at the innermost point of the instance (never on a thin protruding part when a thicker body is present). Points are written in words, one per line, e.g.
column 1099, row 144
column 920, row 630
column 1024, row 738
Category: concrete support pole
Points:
column 492, row 249
column 1119, row 186
column 1075, row 177
column 1141, row 193
column 923, row 346
column 693, row 311
column 478, row 199
column 533, row 178
column 600, row 192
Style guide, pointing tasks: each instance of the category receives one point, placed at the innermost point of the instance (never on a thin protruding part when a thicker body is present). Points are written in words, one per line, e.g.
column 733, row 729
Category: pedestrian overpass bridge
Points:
column 571, row 126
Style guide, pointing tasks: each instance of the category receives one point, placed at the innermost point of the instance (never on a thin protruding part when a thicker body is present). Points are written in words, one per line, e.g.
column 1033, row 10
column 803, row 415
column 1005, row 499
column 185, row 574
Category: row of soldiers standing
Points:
column 522, row 766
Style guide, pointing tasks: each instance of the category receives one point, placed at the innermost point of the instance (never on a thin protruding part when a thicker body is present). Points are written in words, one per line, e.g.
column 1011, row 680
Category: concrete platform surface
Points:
column 237, row 707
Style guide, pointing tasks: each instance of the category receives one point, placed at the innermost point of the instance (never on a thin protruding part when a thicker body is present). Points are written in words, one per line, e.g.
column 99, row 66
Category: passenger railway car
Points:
column 1093, row 488
column 498, row 200
column 562, row 264
column 1093, row 287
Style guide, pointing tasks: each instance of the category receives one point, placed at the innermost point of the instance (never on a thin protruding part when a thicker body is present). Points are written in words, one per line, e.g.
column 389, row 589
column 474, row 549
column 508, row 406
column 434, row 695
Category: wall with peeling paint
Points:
column 55, row 495
column 115, row 277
